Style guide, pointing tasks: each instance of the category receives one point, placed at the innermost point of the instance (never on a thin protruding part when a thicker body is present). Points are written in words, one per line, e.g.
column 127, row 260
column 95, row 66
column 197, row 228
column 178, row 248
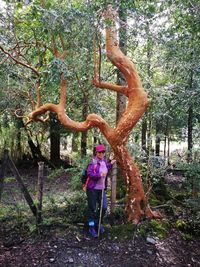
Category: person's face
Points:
column 100, row 154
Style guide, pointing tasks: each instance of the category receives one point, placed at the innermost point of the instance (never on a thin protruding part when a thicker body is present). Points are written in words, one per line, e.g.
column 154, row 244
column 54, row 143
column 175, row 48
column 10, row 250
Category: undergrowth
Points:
column 67, row 209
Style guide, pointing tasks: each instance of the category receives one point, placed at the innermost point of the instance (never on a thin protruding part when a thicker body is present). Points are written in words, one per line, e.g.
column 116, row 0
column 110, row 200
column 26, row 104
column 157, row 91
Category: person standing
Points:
column 95, row 188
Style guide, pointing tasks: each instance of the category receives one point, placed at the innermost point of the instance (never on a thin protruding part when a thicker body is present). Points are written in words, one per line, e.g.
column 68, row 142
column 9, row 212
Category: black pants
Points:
column 94, row 204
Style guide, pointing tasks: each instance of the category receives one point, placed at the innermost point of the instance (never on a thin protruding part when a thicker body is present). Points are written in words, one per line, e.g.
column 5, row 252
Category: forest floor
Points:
column 60, row 246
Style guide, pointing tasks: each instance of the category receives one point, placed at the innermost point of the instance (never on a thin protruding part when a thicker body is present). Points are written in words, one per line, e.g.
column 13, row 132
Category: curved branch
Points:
column 114, row 53
column 39, row 98
column 137, row 97
column 112, row 87
column 96, row 79
column 91, row 121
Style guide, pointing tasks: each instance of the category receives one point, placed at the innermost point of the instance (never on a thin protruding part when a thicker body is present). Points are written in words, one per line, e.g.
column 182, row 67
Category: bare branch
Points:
column 19, row 62
column 96, row 80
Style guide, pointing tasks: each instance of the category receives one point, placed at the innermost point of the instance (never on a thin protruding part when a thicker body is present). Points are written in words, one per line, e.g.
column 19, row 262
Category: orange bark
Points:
column 137, row 204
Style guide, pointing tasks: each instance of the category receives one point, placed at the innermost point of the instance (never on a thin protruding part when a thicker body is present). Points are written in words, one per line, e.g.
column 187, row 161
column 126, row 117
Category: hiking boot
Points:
column 92, row 232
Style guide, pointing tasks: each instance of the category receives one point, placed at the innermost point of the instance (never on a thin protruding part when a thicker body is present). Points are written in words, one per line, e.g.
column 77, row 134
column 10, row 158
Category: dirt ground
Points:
column 73, row 247
column 77, row 249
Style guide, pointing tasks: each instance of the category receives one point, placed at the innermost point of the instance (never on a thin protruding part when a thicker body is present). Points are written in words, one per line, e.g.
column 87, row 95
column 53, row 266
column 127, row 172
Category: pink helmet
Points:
column 100, row 148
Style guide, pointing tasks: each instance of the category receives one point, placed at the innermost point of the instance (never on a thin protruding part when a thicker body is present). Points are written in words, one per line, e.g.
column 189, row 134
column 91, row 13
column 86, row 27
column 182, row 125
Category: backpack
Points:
column 85, row 177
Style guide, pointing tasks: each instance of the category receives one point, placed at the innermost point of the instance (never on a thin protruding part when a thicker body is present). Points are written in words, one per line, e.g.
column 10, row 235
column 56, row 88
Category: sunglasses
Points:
column 101, row 152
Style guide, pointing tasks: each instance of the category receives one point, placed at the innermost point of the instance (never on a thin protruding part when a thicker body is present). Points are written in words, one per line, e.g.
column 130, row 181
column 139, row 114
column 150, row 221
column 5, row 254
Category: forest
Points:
column 122, row 74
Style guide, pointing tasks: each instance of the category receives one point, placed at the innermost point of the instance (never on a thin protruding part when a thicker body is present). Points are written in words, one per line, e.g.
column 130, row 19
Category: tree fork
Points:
column 137, row 203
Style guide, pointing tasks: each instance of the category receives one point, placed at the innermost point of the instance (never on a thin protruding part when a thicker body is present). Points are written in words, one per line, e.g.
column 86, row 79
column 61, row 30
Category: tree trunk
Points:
column 54, row 140
column 23, row 188
column 35, row 149
column 190, row 130
column 75, row 142
column 149, row 138
column 40, row 192
column 113, row 188
column 84, row 134
column 3, row 171
column 137, row 204
column 121, row 99
column 168, row 149
column 157, row 148
column 144, row 134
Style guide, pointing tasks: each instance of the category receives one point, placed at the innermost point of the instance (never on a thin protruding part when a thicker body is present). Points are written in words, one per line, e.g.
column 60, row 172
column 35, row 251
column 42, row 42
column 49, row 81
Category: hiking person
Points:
column 95, row 188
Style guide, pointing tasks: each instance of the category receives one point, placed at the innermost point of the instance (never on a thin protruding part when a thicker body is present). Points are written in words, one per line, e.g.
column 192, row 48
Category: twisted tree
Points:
column 137, row 202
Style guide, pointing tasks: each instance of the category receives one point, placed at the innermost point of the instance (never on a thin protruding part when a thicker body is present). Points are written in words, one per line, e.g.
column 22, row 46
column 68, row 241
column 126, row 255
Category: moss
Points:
column 159, row 228
column 186, row 237
column 142, row 231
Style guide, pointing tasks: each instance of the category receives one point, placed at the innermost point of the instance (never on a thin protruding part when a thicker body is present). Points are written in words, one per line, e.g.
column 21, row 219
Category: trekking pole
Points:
column 100, row 215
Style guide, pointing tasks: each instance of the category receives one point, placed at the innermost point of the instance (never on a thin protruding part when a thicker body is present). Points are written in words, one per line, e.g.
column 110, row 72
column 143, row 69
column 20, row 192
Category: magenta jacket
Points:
column 93, row 172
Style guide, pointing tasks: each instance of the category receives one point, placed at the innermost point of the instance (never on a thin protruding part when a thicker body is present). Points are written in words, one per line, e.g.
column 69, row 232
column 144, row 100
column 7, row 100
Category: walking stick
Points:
column 100, row 215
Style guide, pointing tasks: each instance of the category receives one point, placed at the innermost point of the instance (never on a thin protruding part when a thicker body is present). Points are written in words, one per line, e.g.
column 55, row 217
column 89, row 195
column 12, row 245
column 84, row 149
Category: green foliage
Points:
column 159, row 228
column 183, row 226
column 155, row 228
column 75, row 209
column 76, row 172
column 9, row 179
column 54, row 173
column 192, row 174
column 118, row 216
column 153, row 172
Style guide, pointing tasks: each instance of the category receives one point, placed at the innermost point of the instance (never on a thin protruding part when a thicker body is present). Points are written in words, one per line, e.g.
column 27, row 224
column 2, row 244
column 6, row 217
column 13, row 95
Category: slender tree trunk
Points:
column 54, row 139
column 157, row 148
column 149, row 137
column 165, row 140
column 95, row 138
column 40, row 192
column 84, row 134
column 19, row 124
column 35, row 149
column 113, row 188
column 190, row 129
column 3, row 171
column 121, row 98
column 19, row 148
column 165, row 146
column 23, row 188
column 144, row 134
column 75, row 142
column 168, row 148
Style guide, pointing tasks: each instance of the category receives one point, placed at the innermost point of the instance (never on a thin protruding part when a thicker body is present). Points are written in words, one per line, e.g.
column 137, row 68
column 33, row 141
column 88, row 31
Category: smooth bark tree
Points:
column 120, row 98
column 137, row 203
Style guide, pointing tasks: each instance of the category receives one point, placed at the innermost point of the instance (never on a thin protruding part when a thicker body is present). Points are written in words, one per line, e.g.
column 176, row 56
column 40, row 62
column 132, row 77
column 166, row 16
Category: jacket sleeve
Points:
column 93, row 172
